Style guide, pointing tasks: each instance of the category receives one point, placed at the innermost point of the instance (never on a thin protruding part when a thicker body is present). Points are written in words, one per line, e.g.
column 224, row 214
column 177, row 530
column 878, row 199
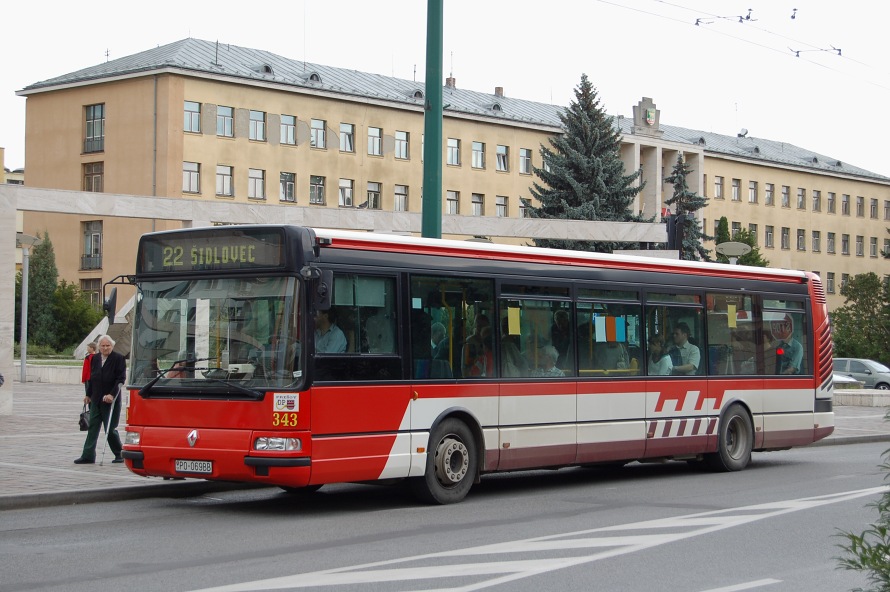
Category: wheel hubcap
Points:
column 452, row 461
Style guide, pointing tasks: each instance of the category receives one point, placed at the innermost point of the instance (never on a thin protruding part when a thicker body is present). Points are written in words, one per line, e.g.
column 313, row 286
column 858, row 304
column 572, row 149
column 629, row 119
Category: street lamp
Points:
column 733, row 250
column 25, row 242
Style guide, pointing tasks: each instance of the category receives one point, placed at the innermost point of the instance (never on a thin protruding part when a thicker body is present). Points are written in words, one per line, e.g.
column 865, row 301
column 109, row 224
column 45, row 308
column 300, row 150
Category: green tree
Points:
column 43, row 275
column 869, row 551
column 583, row 175
column 687, row 203
column 861, row 327
column 754, row 258
column 75, row 315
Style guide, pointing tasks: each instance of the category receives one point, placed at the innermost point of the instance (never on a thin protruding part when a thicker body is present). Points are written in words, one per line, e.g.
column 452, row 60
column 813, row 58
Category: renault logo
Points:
column 192, row 438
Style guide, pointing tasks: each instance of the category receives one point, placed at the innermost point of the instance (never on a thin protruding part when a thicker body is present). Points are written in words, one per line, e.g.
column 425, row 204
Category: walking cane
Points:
column 107, row 423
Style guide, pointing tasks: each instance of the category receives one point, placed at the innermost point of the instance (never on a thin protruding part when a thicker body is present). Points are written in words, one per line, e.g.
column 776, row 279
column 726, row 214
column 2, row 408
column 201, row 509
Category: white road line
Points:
column 682, row 527
column 746, row 586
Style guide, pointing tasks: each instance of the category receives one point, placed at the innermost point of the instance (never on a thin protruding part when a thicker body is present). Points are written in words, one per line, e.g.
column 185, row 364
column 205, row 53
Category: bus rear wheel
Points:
column 735, row 440
column 451, row 464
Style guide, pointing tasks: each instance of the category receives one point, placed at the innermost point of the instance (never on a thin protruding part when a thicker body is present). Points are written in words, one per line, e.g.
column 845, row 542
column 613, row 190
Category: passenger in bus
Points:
column 660, row 363
column 439, row 342
column 548, row 368
column 329, row 339
column 561, row 334
column 473, row 346
column 788, row 351
column 685, row 356
column 610, row 355
column 484, row 364
column 513, row 363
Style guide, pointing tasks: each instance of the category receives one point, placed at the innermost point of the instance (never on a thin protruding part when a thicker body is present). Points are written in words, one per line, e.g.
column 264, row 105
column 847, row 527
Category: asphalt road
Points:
column 664, row 527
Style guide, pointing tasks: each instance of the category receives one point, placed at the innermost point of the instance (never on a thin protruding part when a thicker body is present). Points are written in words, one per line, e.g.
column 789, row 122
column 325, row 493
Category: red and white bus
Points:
column 298, row 357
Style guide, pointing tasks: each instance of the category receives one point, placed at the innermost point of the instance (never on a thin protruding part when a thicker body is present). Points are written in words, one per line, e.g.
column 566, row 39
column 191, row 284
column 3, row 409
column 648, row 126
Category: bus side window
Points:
column 731, row 346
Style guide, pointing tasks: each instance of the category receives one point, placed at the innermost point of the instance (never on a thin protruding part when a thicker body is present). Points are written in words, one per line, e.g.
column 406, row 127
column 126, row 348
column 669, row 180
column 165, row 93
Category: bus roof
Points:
column 476, row 249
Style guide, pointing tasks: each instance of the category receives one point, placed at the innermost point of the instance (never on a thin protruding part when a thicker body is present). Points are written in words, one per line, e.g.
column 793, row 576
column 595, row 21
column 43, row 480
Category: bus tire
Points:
column 735, row 440
column 451, row 464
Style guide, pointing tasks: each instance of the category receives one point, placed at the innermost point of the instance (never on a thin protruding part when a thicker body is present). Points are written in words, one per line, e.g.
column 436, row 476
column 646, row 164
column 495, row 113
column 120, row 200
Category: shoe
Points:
column 118, row 459
column 84, row 461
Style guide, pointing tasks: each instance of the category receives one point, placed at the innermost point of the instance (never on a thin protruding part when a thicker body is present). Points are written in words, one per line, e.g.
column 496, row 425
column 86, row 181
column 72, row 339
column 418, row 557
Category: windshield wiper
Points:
column 237, row 387
column 174, row 366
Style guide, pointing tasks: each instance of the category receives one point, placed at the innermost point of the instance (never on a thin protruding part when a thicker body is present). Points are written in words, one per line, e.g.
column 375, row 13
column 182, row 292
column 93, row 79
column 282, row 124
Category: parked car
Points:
column 870, row 373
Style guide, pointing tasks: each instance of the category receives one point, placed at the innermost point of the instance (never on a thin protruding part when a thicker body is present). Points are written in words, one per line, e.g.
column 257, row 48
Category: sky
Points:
column 721, row 75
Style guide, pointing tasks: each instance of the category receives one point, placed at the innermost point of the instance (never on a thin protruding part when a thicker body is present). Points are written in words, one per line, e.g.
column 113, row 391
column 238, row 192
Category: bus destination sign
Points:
column 212, row 251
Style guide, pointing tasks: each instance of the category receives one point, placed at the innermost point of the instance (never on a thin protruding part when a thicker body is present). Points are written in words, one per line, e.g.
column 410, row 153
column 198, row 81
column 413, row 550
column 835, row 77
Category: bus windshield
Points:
column 209, row 334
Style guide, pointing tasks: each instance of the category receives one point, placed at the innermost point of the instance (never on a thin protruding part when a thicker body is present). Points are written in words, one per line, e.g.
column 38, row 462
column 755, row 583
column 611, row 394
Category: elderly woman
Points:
column 548, row 357
column 108, row 373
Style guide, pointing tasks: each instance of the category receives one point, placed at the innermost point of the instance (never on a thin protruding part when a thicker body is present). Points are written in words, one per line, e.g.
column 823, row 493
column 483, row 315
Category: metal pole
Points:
column 23, row 337
column 431, row 218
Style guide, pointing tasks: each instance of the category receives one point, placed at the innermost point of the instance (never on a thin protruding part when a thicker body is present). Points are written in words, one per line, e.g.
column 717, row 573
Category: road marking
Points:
column 746, row 586
column 609, row 541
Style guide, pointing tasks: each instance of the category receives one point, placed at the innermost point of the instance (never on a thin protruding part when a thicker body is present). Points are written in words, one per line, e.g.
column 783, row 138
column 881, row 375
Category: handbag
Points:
column 84, row 421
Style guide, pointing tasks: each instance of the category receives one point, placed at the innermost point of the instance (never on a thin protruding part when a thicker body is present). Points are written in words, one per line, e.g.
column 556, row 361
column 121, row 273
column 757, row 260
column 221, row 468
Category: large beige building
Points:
column 207, row 121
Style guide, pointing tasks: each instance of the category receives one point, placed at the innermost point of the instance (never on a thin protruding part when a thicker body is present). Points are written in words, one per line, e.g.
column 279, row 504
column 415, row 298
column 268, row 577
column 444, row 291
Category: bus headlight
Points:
column 132, row 438
column 277, row 443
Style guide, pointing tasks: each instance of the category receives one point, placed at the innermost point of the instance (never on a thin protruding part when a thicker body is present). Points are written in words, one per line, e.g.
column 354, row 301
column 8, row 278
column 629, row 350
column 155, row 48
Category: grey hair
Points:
column 105, row 338
column 552, row 352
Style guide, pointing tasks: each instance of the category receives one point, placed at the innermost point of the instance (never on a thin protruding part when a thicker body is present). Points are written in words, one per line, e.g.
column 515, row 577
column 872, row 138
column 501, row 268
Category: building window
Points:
column 845, row 205
column 224, row 180
column 860, row 206
column 92, row 245
column 817, row 201
column 191, row 177
column 257, row 126
column 501, row 203
column 316, row 190
column 736, row 229
column 256, row 184
column 786, row 196
column 225, row 121
column 478, row 155
column 829, row 282
column 401, row 147
column 886, row 251
column 453, row 155
column 736, row 190
column 752, row 230
column 503, row 158
column 768, row 196
column 768, row 237
column 192, row 117
column 525, row 161
column 375, row 141
column 845, row 244
column 752, row 192
column 801, row 198
column 94, row 176
column 786, row 238
column 317, row 130
column 873, row 209
column 718, row 187
column 886, row 210
column 346, row 189
column 817, row 241
column 478, row 204
column 830, row 246
column 523, row 208
column 860, row 245
column 832, row 200
column 873, row 246
column 845, row 277
column 347, row 137
column 373, row 196
column 801, row 239
column 91, row 289
column 452, row 202
column 400, row 198
column 287, row 187
column 94, row 132
column 289, row 130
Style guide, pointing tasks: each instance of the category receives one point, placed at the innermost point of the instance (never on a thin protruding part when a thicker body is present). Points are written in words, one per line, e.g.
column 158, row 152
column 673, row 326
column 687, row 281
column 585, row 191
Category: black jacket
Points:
column 105, row 378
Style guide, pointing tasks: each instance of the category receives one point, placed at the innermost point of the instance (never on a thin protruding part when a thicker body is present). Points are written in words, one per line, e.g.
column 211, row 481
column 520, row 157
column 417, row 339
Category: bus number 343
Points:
column 287, row 420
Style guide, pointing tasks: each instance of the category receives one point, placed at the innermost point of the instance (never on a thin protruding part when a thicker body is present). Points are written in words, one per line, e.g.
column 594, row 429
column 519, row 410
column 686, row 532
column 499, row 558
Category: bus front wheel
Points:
column 451, row 464
column 735, row 440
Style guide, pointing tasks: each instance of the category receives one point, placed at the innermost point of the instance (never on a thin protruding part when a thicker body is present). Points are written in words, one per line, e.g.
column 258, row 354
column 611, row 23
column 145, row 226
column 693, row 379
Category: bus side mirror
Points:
column 110, row 305
column 324, row 290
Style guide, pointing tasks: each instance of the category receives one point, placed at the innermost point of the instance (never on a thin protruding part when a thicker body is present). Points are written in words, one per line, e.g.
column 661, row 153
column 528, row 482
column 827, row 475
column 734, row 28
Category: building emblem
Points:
column 650, row 116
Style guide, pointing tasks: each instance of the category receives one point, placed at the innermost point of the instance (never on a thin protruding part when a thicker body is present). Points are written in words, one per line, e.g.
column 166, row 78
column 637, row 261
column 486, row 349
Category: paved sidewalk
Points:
column 40, row 441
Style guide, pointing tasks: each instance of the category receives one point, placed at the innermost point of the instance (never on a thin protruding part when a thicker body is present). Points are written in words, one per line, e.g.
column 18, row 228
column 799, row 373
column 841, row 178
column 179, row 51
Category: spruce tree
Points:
column 43, row 276
column 753, row 258
column 687, row 202
column 583, row 175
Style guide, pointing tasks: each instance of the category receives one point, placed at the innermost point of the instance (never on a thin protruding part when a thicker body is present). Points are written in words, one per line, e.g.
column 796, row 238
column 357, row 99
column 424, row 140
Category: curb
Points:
column 116, row 494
